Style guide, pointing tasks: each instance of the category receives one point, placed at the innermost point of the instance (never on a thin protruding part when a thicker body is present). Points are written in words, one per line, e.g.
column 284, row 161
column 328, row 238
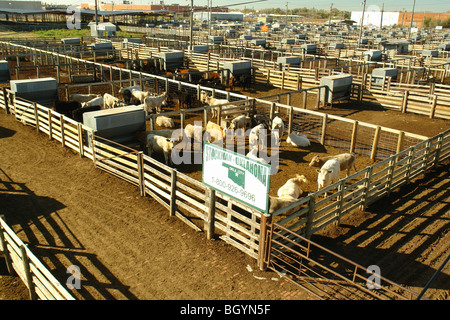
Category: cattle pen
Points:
column 401, row 156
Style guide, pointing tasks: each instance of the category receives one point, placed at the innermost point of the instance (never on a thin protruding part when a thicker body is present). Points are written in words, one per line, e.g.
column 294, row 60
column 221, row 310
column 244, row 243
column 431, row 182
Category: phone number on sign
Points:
column 233, row 189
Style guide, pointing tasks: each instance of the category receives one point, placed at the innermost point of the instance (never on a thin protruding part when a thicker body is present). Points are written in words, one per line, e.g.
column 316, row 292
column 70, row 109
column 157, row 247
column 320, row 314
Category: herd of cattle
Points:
column 164, row 140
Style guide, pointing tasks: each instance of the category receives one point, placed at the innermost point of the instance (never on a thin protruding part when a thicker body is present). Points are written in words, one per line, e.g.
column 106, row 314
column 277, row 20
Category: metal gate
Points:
column 324, row 273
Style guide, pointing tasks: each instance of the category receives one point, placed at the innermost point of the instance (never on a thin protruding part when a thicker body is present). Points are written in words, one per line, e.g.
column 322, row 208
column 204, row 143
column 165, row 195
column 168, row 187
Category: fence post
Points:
column 91, row 134
column 376, row 138
column 4, row 246
column 354, row 132
column 291, row 116
column 340, row 200
column 50, row 126
column 173, row 191
column 438, row 149
column 324, row 128
column 366, row 186
column 272, row 110
column 427, row 154
column 152, row 122
column 80, row 139
column 405, row 101
column 389, row 84
column 140, row 168
column 318, row 102
column 390, row 174
column 363, row 85
column 409, row 162
column 205, row 116
column 5, row 96
column 36, row 116
column 210, row 218
column 309, row 222
column 401, row 135
column 18, row 67
column 433, row 106
column 264, row 242
column 305, row 99
column 61, row 121
column 27, row 271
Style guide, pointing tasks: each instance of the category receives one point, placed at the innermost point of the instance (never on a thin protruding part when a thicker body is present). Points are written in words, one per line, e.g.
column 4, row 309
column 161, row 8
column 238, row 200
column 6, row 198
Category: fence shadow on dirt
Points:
column 6, row 133
column 36, row 220
column 408, row 224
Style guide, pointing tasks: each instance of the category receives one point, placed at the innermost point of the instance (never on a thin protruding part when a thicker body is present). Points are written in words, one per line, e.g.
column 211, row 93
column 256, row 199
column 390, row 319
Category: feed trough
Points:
column 338, row 87
column 119, row 124
column 43, row 90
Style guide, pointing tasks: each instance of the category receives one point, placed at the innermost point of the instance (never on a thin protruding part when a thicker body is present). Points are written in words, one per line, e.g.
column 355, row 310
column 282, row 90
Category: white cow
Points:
column 161, row 145
column 210, row 101
column 328, row 174
column 109, row 101
column 253, row 136
column 253, row 154
column 241, row 122
column 190, row 130
column 278, row 128
column 141, row 95
column 292, row 187
column 346, row 161
column 298, row 140
column 94, row 102
column 131, row 88
column 165, row 122
column 216, row 131
column 276, row 203
column 154, row 101
column 83, row 97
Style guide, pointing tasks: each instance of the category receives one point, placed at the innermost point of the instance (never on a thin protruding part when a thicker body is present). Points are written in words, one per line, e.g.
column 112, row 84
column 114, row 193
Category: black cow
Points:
column 184, row 99
column 77, row 114
column 211, row 82
column 135, row 65
column 129, row 99
column 244, row 81
column 66, row 107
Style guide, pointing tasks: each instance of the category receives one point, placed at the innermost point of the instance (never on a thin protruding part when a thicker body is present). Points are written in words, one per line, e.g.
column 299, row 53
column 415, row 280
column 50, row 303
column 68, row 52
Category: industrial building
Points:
column 229, row 16
column 375, row 18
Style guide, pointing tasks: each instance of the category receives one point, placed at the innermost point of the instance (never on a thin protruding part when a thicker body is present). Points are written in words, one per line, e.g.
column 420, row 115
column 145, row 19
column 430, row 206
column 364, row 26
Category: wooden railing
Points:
column 40, row 282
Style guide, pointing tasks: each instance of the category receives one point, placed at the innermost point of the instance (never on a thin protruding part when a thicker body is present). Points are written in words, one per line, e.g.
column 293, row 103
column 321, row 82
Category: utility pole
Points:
column 96, row 15
column 362, row 23
column 286, row 14
column 412, row 16
column 329, row 22
column 210, row 16
column 381, row 18
column 191, row 25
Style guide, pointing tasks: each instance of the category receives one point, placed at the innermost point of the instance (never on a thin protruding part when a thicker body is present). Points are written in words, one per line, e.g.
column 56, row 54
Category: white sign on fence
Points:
column 237, row 176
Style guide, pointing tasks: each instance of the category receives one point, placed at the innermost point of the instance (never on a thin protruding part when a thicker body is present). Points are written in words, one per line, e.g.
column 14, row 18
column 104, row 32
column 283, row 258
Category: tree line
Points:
column 305, row 12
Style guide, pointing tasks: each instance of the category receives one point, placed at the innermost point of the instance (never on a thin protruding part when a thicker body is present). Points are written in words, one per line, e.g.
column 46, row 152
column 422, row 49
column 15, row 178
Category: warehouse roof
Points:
column 86, row 12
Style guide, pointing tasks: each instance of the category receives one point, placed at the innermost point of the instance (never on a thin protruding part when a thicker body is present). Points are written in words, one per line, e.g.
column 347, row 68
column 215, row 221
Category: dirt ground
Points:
column 128, row 247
